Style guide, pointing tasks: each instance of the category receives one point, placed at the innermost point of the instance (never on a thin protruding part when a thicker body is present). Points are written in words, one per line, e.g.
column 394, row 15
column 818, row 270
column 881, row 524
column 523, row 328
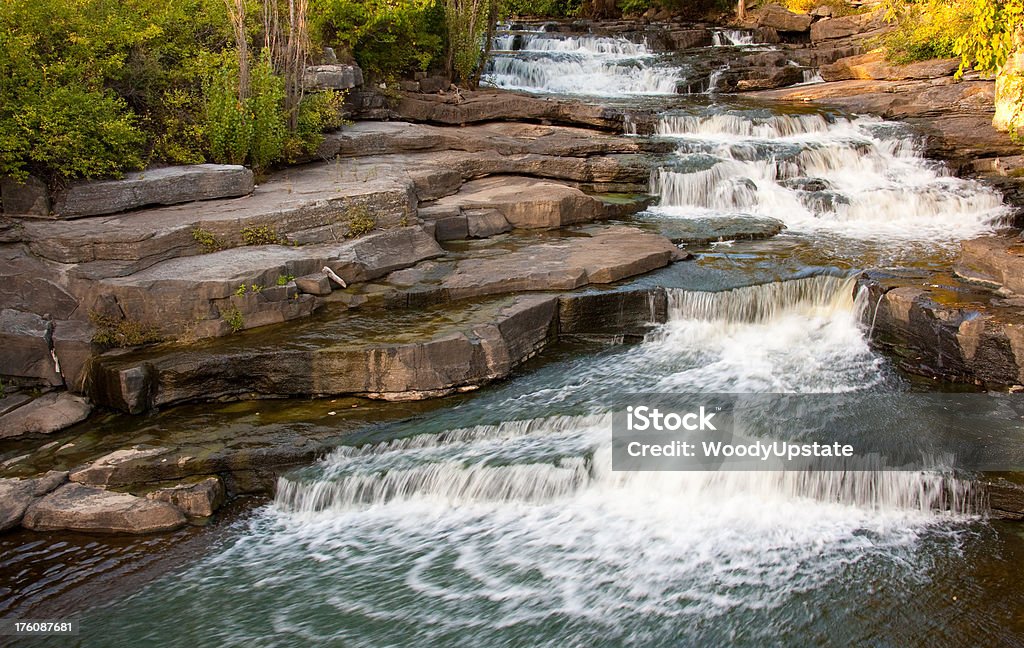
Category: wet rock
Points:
column 76, row 507
column 948, row 331
column 25, row 347
column 332, row 76
column 73, row 348
column 778, row 18
column 167, row 186
column 618, row 313
column 605, row 255
column 1005, row 498
column 702, row 231
column 45, row 415
column 994, row 261
column 119, row 467
column 198, row 498
column 874, row 66
column 30, row 197
column 771, row 78
column 16, row 495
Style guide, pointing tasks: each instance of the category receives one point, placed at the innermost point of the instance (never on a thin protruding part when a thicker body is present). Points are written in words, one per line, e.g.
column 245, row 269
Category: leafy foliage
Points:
column 546, row 8
column 387, row 37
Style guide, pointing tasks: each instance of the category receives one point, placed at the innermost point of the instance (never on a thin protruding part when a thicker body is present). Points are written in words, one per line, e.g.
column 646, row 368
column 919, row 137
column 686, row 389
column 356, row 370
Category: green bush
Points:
column 545, row 8
column 386, row 37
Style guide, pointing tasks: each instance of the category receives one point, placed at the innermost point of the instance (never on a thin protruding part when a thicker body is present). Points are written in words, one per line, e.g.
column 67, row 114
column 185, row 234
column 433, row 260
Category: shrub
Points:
column 113, row 332
column 546, row 8
column 234, row 319
column 387, row 37
column 207, row 240
column 359, row 221
column 260, row 235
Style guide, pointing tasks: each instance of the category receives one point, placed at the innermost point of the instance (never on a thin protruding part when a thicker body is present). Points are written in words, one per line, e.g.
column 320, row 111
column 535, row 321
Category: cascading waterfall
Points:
column 560, row 458
column 585, row 65
column 855, row 177
column 731, row 37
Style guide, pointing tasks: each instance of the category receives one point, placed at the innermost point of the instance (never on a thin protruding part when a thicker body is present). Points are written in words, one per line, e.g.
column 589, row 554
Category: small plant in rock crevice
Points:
column 260, row 235
column 123, row 332
column 359, row 221
column 207, row 240
column 234, row 319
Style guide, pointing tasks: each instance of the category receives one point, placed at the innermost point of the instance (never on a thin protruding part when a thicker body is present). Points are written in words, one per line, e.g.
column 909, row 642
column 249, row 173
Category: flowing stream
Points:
column 500, row 522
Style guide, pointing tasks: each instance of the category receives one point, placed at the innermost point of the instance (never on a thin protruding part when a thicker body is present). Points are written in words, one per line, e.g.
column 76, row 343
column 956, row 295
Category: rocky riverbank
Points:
column 424, row 256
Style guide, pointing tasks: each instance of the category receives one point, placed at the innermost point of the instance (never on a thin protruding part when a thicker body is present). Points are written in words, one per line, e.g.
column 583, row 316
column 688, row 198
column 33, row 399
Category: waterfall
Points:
column 860, row 178
column 585, row 65
column 731, row 37
column 820, row 294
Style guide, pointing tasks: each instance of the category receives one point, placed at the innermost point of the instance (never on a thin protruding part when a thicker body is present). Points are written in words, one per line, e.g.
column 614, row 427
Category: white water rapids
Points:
column 859, row 178
column 579, row 65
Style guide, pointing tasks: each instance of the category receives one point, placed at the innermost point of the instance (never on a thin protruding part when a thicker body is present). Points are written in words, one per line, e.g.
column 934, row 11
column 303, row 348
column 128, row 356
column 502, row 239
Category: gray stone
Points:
column 72, row 344
column 197, row 498
column 28, row 198
column 15, row 497
column 25, row 347
column 778, row 18
column 116, row 467
column 333, row 77
column 75, row 507
column 846, row 26
column 45, row 415
column 314, row 284
column 527, row 203
column 484, row 223
column 166, row 186
column 433, row 84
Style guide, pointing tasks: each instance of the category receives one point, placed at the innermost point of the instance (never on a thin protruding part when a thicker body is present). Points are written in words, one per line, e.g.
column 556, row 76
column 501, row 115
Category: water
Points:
column 732, row 37
column 499, row 521
column 835, row 177
column 578, row 65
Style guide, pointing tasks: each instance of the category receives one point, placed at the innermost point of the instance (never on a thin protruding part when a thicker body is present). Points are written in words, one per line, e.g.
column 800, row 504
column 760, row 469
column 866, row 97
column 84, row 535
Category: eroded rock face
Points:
column 523, row 203
column 116, row 468
column 1008, row 92
column 778, row 18
column 333, row 76
column 197, row 498
column 845, row 26
column 948, row 331
column 874, row 66
column 995, row 261
column 45, row 415
column 167, row 186
column 75, row 507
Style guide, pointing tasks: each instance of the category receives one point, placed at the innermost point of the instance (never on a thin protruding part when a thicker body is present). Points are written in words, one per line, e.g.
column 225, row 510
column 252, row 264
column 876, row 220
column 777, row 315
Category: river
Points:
column 497, row 520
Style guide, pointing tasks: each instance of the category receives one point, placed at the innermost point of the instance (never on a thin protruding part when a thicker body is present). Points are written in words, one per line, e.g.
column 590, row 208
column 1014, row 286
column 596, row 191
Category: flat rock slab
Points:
column 45, row 415
column 499, row 105
column 461, row 356
column 994, row 260
column 596, row 255
column 874, row 66
column 525, row 203
column 702, row 231
column 171, row 294
column 75, row 507
column 167, row 186
column 321, row 196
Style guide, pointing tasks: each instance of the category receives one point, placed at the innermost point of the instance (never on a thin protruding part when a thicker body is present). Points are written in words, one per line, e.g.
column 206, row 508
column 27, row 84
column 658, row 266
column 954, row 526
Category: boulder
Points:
column 484, row 223
column 75, row 507
column 29, row 197
column 874, row 66
column 525, row 203
column 16, row 495
column 778, row 18
column 768, row 78
column 846, row 26
column 197, row 498
column 332, row 76
column 618, row 313
column 995, row 261
column 166, row 186
column 314, row 284
column 117, row 468
column 25, row 347
column 45, row 415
